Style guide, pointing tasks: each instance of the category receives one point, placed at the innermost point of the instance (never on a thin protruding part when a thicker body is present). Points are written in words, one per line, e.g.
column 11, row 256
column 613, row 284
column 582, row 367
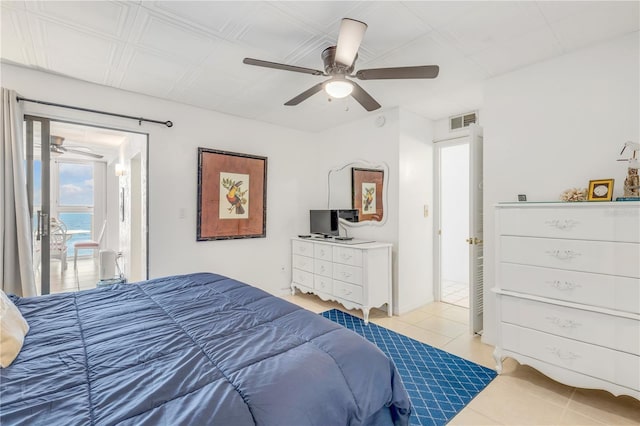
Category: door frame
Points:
column 46, row 201
column 438, row 144
column 474, row 137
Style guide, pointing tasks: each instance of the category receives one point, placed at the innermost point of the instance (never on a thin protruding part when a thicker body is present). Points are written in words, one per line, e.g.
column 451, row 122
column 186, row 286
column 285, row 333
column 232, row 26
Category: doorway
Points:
column 454, row 222
column 75, row 175
column 459, row 270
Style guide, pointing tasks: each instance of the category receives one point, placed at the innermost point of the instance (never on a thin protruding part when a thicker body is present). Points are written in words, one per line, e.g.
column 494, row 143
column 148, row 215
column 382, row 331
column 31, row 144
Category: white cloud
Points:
column 71, row 189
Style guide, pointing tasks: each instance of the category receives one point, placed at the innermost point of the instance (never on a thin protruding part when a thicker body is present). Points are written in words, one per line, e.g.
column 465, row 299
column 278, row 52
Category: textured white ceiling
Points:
column 192, row 52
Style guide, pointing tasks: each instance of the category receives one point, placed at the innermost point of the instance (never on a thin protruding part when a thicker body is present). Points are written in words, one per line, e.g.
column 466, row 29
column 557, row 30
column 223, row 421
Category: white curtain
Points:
column 16, row 270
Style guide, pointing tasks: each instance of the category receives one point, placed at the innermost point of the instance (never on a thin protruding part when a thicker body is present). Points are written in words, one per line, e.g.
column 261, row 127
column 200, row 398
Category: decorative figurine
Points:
column 632, row 182
column 574, row 194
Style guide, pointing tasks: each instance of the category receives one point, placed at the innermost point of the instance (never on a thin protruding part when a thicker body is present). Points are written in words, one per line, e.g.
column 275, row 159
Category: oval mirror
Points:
column 358, row 190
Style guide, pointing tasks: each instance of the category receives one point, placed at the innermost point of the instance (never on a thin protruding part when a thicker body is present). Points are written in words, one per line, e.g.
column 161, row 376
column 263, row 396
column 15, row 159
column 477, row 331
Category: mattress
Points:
column 193, row 349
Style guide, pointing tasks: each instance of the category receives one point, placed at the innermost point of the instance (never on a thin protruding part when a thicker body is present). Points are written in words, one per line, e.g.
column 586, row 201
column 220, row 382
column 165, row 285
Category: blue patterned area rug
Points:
column 439, row 384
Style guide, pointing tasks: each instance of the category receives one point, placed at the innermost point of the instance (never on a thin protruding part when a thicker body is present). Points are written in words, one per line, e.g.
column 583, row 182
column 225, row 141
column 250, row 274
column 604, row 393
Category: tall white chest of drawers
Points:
column 357, row 276
column 568, row 291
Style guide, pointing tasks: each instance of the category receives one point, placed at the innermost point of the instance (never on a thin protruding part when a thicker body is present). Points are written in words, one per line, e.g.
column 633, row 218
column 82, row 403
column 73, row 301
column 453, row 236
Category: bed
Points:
column 193, row 349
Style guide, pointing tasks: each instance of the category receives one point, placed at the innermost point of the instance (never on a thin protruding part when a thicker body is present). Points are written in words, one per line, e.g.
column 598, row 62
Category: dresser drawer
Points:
column 303, row 248
column 605, row 223
column 350, row 274
column 323, row 284
column 322, row 267
column 591, row 327
column 303, row 263
column 302, row 277
column 606, row 291
column 347, row 256
column 323, row 252
column 602, row 363
column 347, row 291
column 601, row 257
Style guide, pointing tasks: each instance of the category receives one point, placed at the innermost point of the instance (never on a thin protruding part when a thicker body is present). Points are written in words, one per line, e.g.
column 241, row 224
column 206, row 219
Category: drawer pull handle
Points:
column 563, row 254
column 563, row 286
column 322, row 268
column 303, row 249
column 346, row 274
column 563, row 355
column 563, row 323
column 345, row 256
column 563, row 225
column 346, row 292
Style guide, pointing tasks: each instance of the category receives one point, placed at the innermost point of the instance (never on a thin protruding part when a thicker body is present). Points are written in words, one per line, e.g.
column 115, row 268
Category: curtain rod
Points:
column 139, row 119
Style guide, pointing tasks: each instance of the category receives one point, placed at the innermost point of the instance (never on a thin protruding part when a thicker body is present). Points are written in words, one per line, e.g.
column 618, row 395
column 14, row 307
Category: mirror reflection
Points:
column 358, row 190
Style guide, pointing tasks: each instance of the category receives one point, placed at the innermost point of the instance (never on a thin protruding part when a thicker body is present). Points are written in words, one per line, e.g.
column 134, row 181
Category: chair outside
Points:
column 58, row 243
column 87, row 245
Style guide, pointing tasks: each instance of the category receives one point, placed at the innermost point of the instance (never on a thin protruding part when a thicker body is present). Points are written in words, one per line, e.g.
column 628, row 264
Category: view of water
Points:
column 77, row 221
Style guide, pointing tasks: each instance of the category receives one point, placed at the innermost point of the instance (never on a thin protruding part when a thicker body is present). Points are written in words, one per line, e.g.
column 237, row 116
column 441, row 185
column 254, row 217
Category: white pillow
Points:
column 13, row 328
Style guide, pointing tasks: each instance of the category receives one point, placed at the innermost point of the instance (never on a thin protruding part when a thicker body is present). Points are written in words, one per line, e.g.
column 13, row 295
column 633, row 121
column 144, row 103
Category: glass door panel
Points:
column 76, row 202
column 36, row 137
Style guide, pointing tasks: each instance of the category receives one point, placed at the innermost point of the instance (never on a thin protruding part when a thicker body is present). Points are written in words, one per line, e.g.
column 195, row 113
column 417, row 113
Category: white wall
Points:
column 264, row 262
column 556, row 125
column 298, row 164
column 404, row 143
column 415, row 231
column 360, row 140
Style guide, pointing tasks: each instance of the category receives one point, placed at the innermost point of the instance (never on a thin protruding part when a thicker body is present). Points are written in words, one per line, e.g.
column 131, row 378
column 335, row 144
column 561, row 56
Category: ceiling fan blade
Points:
column 57, row 149
column 278, row 66
column 306, row 94
column 363, row 98
column 424, row 71
column 80, row 152
column 349, row 39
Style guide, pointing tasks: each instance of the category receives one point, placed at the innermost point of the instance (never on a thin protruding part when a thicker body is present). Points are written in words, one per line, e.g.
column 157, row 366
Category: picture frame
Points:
column 232, row 195
column 600, row 190
column 366, row 193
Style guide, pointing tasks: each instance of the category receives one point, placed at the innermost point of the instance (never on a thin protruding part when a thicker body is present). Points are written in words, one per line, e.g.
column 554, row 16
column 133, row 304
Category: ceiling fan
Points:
column 55, row 146
column 339, row 62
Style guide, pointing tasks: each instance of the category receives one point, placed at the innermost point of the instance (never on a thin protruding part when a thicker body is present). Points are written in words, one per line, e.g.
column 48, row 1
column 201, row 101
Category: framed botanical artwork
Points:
column 600, row 190
column 232, row 195
column 366, row 193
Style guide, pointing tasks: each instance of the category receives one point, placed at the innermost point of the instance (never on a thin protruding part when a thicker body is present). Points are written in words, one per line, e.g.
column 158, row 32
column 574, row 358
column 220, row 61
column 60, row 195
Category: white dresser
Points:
column 568, row 291
column 358, row 276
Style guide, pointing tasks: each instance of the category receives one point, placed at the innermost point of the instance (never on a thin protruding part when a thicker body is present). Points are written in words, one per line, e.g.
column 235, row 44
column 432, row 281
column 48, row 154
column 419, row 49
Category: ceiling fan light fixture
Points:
column 338, row 88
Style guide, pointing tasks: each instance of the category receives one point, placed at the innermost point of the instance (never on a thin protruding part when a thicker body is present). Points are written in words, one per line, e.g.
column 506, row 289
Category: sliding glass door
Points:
column 87, row 193
column 45, row 240
column 63, row 193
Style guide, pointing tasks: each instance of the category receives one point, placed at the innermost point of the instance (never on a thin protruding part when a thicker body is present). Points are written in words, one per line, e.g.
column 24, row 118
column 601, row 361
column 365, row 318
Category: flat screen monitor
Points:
column 324, row 222
column 350, row 215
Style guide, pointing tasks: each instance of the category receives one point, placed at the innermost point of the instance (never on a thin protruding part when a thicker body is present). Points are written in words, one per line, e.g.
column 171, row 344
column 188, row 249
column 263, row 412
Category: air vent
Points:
column 461, row 121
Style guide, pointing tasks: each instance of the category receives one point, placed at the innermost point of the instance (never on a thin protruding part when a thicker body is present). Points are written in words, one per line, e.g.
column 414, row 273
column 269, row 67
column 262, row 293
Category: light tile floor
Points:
column 84, row 278
column 455, row 292
column 520, row 395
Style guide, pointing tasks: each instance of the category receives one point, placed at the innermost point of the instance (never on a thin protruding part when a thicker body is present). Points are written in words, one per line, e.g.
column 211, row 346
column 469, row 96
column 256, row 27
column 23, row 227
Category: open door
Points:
column 475, row 240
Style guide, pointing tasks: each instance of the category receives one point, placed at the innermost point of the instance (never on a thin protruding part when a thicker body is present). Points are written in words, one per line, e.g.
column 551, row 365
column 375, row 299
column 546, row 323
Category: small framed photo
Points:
column 600, row 190
column 366, row 190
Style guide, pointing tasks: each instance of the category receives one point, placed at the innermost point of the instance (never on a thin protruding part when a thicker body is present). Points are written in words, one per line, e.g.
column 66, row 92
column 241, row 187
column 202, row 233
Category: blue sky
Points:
column 76, row 184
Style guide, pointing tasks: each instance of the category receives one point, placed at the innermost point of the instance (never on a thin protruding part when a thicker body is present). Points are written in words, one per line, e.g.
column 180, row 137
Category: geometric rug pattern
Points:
column 439, row 384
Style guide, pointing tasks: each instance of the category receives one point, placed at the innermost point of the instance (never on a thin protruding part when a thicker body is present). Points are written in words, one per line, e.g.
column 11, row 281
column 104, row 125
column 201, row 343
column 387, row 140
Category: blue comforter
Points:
column 193, row 350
